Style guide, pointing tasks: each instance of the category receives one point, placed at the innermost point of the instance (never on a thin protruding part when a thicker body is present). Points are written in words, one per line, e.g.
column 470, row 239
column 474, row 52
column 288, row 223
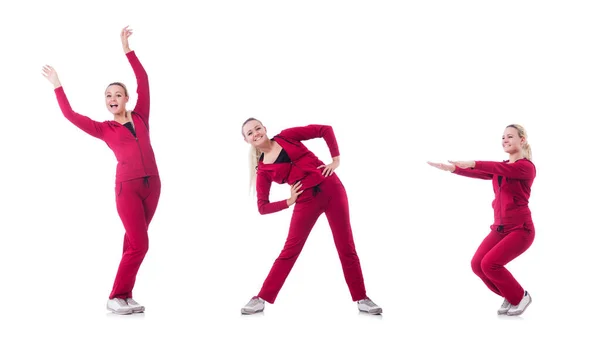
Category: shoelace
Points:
column 122, row 301
column 253, row 302
column 505, row 304
column 369, row 302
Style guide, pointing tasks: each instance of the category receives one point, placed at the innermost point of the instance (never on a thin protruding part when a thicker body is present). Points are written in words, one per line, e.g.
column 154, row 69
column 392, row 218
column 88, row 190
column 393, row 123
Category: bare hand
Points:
column 51, row 75
column 295, row 192
column 463, row 164
column 126, row 32
column 442, row 166
column 328, row 169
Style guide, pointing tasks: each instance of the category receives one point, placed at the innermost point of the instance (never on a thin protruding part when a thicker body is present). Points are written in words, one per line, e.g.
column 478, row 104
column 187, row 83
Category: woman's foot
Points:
column 368, row 306
column 504, row 307
column 255, row 305
column 119, row 306
column 135, row 307
column 520, row 308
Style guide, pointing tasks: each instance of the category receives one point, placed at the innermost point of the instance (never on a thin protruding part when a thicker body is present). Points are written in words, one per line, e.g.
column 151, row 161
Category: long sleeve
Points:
column 84, row 123
column 473, row 173
column 263, row 189
column 517, row 170
column 313, row 131
column 142, row 105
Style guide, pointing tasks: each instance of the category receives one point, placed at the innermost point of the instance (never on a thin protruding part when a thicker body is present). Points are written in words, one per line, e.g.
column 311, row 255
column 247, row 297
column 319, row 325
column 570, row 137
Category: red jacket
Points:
column 302, row 168
column 135, row 157
column 512, row 188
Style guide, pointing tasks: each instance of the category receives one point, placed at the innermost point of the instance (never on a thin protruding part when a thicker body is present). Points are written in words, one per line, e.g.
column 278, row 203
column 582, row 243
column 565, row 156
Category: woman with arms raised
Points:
column 137, row 187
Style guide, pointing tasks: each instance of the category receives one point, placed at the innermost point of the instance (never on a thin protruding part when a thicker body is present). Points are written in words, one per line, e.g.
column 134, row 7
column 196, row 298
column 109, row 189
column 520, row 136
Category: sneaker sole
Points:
column 502, row 312
column 250, row 312
column 138, row 310
column 127, row 312
column 378, row 311
column 522, row 311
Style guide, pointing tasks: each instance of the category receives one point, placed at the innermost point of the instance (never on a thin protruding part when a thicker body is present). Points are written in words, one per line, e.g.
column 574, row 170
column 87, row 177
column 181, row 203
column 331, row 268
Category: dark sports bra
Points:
column 283, row 157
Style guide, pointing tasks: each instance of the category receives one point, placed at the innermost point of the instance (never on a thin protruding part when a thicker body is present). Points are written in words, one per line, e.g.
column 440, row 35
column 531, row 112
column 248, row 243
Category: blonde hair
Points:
column 253, row 157
column 121, row 85
column 522, row 133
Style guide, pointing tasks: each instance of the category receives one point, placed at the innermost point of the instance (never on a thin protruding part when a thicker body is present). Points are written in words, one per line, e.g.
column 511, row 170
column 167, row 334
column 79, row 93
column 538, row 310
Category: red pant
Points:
column 331, row 200
column 136, row 203
column 497, row 250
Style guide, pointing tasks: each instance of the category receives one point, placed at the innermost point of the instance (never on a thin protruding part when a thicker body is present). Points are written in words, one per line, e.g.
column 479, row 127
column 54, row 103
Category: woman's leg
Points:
column 338, row 215
column 489, row 242
column 493, row 263
column 304, row 217
column 136, row 203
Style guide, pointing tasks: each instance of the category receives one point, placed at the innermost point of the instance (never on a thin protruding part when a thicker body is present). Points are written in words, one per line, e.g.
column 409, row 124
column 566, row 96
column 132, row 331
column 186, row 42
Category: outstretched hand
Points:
column 463, row 164
column 51, row 75
column 442, row 166
column 126, row 32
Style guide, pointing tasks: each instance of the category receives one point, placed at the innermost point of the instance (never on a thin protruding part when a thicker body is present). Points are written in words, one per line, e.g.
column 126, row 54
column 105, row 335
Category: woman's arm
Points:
column 84, row 123
column 142, row 106
column 263, row 189
column 473, row 173
column 517, row 170
column 464, row 171
column 313, row 131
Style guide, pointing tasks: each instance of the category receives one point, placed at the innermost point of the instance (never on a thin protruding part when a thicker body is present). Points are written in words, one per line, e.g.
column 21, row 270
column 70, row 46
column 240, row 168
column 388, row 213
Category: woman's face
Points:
column 511, row 142
column 115, row 99
column 254, row 133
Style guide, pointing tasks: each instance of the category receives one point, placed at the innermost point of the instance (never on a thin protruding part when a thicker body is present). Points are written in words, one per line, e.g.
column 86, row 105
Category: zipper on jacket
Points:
column 134, row 133
column 141, row 156
column 500, row 228
column 139, row 147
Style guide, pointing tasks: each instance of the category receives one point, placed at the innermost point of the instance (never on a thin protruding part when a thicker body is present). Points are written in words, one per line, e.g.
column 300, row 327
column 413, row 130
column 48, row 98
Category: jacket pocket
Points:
column 118, row 189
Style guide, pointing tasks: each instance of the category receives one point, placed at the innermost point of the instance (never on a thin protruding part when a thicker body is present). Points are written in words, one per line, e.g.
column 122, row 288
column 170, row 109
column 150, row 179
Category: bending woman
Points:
column 512, row 232
column 137, row 184
column 315, row 189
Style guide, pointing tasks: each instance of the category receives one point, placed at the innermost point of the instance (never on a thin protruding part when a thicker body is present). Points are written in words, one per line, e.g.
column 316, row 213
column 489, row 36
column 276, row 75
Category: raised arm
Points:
column 84, row 123
column 263, row 190
column 142, row 105
column 313, row 131
column 521, row 169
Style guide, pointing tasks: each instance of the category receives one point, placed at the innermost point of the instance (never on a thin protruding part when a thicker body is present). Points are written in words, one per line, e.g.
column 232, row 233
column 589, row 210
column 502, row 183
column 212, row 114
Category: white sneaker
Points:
column 504, row 307
column 255, row 305
column 369, row 306
column 135, row 307
column 520, row 308
column 119, row 306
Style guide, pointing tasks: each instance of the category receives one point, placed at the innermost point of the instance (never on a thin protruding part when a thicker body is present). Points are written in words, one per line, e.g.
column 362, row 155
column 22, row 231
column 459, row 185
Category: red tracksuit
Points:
column 512, row 232
column 321, row 195
column 137, row 183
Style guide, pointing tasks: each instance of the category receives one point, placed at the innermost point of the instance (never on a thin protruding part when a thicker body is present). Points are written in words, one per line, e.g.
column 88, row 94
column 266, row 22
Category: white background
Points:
column 401, row 82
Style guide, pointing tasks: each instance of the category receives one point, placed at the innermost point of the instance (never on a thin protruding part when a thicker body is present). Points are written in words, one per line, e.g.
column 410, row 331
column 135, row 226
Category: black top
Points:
column 281, row 158
column 130, row 127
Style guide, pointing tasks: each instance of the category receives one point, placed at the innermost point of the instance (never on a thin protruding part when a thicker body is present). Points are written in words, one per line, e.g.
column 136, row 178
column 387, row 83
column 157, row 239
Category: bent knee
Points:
column 476, row 265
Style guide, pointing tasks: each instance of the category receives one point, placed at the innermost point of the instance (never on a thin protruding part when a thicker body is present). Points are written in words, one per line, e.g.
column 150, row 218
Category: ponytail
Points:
column 527, row 151
column 253, row 157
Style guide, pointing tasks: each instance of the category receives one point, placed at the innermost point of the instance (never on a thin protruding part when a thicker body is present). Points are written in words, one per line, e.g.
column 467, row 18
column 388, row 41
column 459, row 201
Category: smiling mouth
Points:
column 114, row 105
